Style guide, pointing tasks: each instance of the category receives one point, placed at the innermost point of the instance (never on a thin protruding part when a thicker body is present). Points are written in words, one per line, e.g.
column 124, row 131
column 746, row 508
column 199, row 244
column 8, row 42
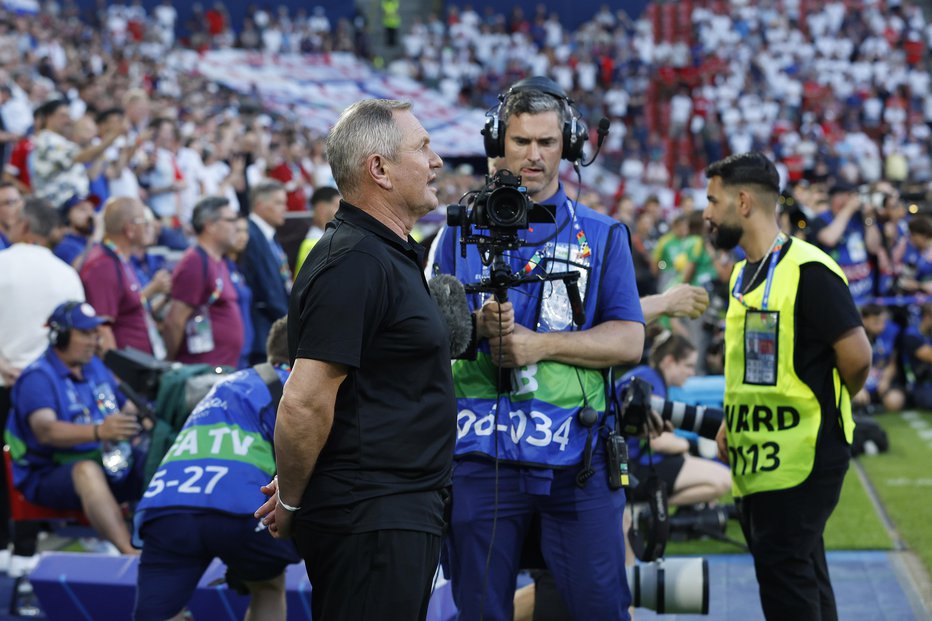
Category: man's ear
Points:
column 744, row 200
column 378, row 171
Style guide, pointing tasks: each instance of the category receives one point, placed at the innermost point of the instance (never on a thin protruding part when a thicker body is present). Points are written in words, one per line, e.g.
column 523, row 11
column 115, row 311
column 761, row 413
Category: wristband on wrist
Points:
column 286, row 506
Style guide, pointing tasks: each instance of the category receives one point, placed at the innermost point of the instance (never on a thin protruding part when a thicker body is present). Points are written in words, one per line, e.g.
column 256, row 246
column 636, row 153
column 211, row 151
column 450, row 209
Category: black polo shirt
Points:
column 361, row 300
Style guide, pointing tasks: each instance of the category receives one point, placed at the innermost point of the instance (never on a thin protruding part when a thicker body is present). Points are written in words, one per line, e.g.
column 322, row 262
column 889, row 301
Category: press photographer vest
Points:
column 535, row 424
column 773, row 425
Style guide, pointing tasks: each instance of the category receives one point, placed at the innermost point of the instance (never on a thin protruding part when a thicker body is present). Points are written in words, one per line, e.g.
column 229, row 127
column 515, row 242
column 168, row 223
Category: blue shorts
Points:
column 178, row 548
column 54, row 487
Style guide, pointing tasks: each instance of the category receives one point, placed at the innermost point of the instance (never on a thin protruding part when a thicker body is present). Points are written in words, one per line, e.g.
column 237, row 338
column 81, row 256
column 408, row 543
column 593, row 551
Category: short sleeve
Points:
column 34, row 391
column 102, row 286
column 618, row 292
column 826, row 308
column 345, row 305
column 188, row 280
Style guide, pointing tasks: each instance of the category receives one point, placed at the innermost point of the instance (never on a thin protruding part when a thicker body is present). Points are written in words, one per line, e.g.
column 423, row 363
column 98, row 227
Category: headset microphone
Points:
column 602, row 131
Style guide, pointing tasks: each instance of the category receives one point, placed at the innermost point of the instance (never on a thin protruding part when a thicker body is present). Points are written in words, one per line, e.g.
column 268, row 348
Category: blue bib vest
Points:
column 223, row 454
column 535, row 423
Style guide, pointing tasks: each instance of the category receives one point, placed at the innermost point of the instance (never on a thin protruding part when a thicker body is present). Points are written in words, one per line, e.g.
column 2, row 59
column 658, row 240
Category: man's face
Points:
column 223, row 229
column 81, row 218
column 721, row 216
column 85, row 129
column 272, row 207
column 533, row 146
column 59, row 121
column 11, row 208
column 325, row 211
column 82, row 345
column 874, row 325
column 414, row 169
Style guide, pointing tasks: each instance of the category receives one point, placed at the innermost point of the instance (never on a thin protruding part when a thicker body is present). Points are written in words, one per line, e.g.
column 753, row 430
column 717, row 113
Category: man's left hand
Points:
column 519, row 348
column 266, row 512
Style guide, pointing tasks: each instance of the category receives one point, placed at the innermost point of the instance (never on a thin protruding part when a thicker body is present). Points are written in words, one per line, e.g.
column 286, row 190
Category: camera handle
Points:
column 501, row 279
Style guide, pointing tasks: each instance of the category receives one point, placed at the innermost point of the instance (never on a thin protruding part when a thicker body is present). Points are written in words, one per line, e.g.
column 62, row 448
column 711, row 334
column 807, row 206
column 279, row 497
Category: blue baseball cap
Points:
column 74, row 315
column 77, row 199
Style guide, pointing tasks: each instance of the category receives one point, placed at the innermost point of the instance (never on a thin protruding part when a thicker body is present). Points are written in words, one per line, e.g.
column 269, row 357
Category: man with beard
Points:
column 795, row 352
column 77, row 214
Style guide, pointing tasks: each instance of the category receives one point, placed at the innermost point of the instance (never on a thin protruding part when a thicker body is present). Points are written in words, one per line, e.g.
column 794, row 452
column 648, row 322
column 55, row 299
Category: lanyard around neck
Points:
column 774, row 255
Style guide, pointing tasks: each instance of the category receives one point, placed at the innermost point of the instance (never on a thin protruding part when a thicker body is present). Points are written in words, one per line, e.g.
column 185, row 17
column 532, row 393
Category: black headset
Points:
column 60, row 333
column 575, row 133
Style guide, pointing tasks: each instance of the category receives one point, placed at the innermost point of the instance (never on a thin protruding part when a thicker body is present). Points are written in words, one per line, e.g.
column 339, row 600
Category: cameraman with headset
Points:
column 537, row 447
column 65, row 404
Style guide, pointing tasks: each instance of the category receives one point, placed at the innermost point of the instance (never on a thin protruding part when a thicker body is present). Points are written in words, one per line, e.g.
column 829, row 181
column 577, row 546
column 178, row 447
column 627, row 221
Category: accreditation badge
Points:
column 760, row 347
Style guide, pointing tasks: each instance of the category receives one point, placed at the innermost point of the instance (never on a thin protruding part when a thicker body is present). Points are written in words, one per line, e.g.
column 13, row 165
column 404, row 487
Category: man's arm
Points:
column 832, row 234
column 608, row 344
column 853, row 358
column 92, row 152
column 679, row 301
column 51, row 431
column 173, row 328
column 305, row 417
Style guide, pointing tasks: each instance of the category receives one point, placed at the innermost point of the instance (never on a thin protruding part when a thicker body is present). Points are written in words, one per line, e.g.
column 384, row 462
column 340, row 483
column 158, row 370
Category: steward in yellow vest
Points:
column 772, row 417
column 795, row 350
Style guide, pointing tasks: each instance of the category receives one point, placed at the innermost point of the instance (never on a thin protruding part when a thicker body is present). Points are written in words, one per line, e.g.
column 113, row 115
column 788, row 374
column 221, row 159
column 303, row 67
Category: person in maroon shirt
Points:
column 110, row 282
column 204, row 322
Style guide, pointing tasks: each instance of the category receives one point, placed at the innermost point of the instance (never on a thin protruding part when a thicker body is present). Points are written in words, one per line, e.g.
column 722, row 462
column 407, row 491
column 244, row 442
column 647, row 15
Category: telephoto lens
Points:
column 671, row 585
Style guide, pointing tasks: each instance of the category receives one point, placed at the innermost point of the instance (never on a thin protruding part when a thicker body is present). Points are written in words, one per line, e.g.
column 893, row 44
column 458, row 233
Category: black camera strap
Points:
column 650, row 528
column 649, row 535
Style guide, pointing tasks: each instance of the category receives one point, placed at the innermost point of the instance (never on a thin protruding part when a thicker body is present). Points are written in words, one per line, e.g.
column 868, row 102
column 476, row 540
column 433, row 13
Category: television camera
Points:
column 502, row 208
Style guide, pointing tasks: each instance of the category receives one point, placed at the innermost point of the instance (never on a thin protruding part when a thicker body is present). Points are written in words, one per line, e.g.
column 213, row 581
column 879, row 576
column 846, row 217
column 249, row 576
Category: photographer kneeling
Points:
column 70, row 428
column 689, row 480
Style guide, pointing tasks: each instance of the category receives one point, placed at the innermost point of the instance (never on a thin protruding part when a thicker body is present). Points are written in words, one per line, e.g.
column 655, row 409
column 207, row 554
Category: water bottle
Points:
column 115, row 456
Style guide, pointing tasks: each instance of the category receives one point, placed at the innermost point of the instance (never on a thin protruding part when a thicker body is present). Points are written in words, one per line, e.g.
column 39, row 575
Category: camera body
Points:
column 501, row 206
column 637, row 401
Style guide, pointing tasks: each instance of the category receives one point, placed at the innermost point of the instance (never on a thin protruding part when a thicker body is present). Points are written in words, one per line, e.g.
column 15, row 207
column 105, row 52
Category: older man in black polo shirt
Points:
column 365, row 431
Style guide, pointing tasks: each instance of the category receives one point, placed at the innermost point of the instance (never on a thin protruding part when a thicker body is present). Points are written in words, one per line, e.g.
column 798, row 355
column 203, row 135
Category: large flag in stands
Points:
column 317, row 88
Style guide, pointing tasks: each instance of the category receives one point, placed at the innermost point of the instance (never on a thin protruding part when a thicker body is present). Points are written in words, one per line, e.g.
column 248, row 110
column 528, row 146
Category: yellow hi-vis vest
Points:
column 772, row 429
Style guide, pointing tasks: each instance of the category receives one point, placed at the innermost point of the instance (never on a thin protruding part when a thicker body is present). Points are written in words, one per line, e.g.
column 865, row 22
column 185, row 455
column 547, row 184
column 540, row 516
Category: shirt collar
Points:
column 267, row 229
column 558, row 199
column 357, row 217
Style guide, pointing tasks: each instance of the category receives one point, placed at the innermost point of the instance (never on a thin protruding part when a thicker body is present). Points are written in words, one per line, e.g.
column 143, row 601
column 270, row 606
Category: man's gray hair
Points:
column 365, row 128
column 41, row 218
column 207, row 210
column 264, row 189
column 534, row 102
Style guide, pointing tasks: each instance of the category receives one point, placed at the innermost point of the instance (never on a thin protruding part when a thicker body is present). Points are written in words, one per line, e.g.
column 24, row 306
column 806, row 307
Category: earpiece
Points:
column 575, row 132
column 60, row 327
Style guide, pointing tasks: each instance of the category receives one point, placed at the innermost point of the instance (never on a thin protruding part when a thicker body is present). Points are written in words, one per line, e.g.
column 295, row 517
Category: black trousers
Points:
column 385, row 574
column 784, row 532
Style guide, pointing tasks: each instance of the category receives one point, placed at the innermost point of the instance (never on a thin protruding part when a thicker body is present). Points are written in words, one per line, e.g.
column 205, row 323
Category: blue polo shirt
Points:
column 70, row 247
column 47, row 383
